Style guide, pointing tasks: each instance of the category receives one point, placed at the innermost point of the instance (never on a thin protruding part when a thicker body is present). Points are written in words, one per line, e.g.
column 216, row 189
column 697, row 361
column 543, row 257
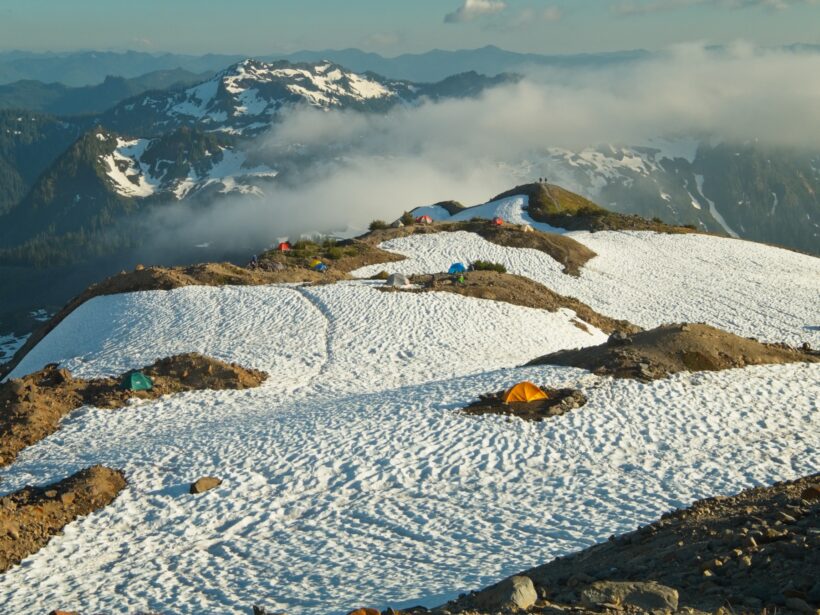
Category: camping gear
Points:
column 397, row 280
column 457, row 268
column 318, row 265
column 527, row 228
column 425, row 219
column 397, row 224
column 524, row 392
column 498, row 221
column 137, row 381
column 283, row 247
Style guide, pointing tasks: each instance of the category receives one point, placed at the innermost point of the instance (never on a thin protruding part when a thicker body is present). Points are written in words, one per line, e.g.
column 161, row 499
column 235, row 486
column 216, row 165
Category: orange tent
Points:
column 283, row 247
column 523, row 392
column 498, row 221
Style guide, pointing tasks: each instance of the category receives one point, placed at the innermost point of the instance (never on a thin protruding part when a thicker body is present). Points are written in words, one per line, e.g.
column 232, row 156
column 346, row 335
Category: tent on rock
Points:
column 137, row 381
column 524, row 392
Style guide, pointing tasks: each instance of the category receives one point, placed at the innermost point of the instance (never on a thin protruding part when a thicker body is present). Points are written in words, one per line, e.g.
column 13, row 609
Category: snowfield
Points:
column 648, row 278
column 350, row 477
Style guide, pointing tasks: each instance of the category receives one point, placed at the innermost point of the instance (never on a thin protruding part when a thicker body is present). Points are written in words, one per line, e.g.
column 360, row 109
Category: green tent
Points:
column 137, row 381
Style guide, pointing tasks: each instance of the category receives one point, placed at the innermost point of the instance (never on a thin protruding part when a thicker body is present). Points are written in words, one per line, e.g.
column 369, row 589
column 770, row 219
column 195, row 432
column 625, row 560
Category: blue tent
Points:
column 457, row 268
column 320, row 267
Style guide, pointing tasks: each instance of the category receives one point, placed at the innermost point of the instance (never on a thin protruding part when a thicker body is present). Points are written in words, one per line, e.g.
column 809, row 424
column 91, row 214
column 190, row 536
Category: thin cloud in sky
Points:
column 642, row 7
column 473, row 9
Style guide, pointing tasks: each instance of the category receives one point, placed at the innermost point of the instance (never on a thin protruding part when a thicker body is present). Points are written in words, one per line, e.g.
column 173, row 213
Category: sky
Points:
column 392, row 27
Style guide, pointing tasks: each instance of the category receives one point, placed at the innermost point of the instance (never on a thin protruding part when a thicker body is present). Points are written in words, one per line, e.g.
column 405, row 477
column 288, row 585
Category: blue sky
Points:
column 391, row 27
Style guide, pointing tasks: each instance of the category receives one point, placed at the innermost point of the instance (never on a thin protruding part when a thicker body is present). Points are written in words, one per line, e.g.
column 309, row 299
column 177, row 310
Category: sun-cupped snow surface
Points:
column 352, row 331
column 390, row 496
column 511, row 209
column 650, row 278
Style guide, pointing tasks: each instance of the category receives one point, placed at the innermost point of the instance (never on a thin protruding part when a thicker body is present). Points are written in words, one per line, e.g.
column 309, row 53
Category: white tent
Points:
column 398, row 280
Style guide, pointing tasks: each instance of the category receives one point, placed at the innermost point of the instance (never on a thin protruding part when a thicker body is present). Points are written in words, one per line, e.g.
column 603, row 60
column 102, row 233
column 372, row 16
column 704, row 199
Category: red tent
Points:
column 498, row 221
column 283, row 247
column 424, row 220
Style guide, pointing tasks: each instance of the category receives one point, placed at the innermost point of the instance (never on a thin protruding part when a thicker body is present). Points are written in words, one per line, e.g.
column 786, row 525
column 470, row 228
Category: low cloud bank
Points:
column 343, row 169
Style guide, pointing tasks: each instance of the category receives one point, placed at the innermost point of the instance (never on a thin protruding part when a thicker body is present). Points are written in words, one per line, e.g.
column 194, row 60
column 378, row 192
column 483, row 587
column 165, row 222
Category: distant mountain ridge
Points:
column 91, row 67
column 58, row 99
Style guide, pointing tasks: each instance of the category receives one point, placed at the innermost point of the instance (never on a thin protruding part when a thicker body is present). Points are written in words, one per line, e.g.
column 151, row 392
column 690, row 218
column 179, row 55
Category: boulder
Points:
column 646, row 596
column 206, row 483
column 510, row 594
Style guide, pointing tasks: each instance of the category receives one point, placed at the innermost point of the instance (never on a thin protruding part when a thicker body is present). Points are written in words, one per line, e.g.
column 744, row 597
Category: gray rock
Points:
column 206, row 483
column 649, row 596
column 513, row 593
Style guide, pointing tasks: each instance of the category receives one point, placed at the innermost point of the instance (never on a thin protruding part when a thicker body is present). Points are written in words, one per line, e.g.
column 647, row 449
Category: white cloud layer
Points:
column 640, row 7
column 473, row 9
column 354, row 167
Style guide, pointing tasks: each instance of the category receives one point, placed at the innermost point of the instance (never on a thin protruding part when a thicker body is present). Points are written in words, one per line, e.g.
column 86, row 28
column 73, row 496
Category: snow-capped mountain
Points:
column 142, row 168
column 740, row 190
column 245, row 98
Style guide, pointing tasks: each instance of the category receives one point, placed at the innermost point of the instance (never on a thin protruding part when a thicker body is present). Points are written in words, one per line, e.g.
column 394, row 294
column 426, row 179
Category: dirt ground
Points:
column 756, row 552
column 572, row 254
column 559, row 401
column 31, row 516
column 657, row 353
column 561, row 208
column 31, row 407
column 516, row 290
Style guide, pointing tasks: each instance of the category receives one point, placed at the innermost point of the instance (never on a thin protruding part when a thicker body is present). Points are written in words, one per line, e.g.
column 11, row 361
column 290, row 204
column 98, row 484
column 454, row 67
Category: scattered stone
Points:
column 516, row 592
column 206, row 483
column 645, row 596
column 619, row 338
column 800, row 605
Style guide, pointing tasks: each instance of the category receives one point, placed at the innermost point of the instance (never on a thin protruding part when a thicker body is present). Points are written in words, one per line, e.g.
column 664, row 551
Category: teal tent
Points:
column 137, row 381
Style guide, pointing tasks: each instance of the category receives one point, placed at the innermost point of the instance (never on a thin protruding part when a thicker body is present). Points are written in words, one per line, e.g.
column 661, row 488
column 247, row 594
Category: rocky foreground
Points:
column 746, row 553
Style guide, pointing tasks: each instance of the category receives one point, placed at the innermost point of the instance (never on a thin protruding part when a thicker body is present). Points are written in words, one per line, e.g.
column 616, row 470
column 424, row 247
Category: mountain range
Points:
column 75, row 187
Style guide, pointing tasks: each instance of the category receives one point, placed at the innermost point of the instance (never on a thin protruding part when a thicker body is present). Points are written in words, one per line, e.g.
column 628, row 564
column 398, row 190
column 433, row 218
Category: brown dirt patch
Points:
column 659, row 352
column 555, row 206
column 560, row 401
column 572, row 254
column 516, row 290
column 31, row 516
column 745, row 553
column 31, row 407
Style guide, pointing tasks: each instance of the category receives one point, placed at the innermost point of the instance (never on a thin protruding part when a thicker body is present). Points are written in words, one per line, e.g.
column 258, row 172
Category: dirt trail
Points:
column 31, row 407
column 31, row 516
column 665, row 350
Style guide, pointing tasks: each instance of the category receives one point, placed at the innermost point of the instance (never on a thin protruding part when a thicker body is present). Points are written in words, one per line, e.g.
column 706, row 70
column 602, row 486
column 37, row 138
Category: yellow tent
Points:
column 315, row 262
column 523, row 392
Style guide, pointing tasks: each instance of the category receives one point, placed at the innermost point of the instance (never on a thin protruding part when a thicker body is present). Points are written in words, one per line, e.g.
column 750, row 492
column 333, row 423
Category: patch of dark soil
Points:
column 745, row 553
column 558, row 402
column 516, row 290
column 659, row 352
column 572, row 254
column 31, row 407
column 561, row 208
column 31, row 516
